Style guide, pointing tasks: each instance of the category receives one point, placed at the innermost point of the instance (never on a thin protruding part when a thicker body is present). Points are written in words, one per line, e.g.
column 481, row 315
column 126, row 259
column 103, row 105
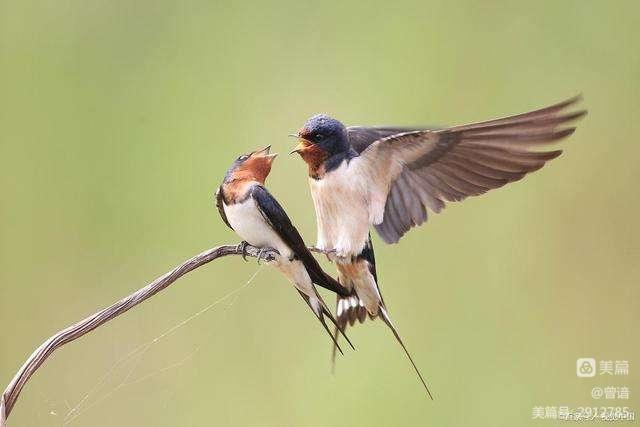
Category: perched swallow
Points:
column 248, row 208
column 389, row 178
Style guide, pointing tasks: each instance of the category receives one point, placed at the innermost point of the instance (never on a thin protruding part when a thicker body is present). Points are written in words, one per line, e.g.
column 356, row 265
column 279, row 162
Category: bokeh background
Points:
column 118, row 120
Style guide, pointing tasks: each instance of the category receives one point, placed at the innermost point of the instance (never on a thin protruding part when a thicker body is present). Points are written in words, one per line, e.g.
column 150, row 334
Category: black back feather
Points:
column 277, row 218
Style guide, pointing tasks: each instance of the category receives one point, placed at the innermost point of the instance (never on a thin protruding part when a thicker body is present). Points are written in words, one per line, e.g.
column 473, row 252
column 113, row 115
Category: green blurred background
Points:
column 119, row 119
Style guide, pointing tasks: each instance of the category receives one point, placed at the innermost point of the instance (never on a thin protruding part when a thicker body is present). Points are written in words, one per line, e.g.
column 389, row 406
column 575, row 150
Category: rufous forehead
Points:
column 304, row 131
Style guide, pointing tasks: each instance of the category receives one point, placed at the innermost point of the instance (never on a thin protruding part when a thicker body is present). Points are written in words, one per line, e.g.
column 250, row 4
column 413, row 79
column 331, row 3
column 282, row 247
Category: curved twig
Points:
column 88, row 324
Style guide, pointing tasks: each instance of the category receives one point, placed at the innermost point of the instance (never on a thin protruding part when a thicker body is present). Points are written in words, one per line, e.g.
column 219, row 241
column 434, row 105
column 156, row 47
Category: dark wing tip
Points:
column 567, row 102
column 574, row 99
column 553, row 154
column 563, row 133
column 580, row 114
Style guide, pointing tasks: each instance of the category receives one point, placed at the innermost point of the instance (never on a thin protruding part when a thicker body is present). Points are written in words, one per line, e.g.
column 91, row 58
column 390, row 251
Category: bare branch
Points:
column 88, row 324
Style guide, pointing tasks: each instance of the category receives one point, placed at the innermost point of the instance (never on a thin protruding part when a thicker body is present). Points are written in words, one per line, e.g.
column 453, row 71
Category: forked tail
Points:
column 321, row 317
column 385, row 317
column 349, row 309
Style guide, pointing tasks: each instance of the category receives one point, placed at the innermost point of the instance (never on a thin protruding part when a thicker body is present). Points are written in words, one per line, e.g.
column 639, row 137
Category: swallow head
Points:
column 320, row 138
column 254, row 166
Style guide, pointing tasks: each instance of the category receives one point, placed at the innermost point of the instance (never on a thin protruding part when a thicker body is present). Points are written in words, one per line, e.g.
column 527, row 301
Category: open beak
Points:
column 264, row 153
column 303, row 144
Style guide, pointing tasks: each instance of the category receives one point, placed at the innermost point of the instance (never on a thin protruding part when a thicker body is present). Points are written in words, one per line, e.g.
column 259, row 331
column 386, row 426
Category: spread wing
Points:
column 360, row 137
column 277, row 218
column 220, row 206
column 419, row 170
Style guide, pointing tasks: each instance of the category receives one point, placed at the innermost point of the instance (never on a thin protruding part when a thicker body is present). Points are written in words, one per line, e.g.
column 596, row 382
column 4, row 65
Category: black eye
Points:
column 243, row 157
column 319, row 137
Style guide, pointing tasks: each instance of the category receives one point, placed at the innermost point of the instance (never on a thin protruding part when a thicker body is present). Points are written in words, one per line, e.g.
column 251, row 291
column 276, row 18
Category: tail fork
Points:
column 338, row 328
column 385, row 317
column 349, row 309
column 333, row 349
column 320, row 316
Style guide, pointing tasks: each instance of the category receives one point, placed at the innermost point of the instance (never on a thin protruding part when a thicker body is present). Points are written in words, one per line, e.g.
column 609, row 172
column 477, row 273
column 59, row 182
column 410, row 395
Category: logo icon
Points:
column 586, row 367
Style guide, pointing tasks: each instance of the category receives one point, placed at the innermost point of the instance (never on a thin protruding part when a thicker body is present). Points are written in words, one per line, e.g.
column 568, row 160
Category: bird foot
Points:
column 242, row 249
column 326, row 252
column 260, row 253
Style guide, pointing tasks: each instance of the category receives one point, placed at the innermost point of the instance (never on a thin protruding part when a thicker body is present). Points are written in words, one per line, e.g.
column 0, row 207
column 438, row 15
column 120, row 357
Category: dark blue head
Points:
column 324, row 133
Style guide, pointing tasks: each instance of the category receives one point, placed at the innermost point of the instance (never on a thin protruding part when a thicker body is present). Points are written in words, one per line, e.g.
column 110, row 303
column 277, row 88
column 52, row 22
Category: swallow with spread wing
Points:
column 390, row 178
column 255, row 215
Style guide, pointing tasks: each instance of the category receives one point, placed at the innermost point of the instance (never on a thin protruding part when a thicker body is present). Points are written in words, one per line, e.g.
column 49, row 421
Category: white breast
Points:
column 342, row 211
column 246, row 220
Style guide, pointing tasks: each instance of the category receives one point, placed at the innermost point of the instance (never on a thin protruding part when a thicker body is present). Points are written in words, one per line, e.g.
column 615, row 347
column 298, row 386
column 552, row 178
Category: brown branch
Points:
column 88, row 324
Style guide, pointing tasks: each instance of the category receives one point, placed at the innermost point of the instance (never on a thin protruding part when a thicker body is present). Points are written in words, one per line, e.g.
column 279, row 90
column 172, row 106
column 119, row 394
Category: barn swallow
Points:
column 390, row 177
column 255, row 215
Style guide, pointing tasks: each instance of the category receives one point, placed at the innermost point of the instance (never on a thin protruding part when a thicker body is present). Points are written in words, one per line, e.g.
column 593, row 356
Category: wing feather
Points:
column 360, row 137
column 426, row 192
column 418, row 170
column 220, row 205
column 412, row 201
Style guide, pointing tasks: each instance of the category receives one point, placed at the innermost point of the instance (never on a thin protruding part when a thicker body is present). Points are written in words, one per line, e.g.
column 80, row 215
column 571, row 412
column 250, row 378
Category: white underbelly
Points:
column 247, row 221
column 342, row 212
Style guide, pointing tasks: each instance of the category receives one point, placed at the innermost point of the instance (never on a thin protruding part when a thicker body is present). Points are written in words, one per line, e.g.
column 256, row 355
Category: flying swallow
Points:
column 390, row 178
column 255, row 215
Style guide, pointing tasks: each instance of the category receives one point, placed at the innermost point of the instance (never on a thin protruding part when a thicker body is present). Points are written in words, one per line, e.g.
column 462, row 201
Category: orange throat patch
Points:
column 235, row 191
column 254, row 169
column 314, row 156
